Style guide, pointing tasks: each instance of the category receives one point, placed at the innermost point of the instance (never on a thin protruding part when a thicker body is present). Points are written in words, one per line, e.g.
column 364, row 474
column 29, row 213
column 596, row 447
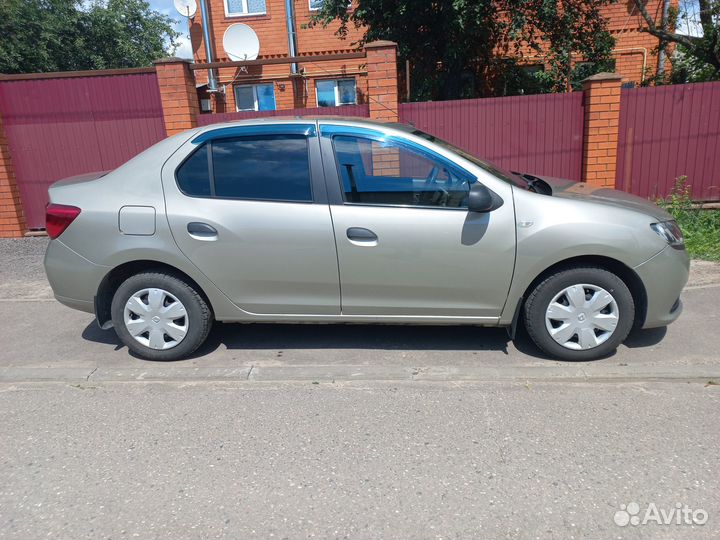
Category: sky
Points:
column 689, row 21
column 166, row 7
column 687, row 25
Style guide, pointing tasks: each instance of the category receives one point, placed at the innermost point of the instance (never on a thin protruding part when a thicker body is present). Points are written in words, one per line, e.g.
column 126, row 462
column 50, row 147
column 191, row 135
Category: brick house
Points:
column 331, row 83
column 326, row 83
column 636, row 55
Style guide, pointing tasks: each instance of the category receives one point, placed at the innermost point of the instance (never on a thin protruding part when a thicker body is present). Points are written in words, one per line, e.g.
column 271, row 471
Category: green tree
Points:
column 697, row 57
column 468, row 48
column 62, row 35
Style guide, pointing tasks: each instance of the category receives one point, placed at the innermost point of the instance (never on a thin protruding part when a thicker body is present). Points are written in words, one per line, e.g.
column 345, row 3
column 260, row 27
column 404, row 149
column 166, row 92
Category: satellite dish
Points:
column 241, row 42
column 186, row 8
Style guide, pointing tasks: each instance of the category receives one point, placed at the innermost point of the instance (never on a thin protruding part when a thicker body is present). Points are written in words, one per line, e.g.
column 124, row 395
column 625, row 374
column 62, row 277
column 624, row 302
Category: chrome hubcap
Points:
column 582, row 317
column 155, row 318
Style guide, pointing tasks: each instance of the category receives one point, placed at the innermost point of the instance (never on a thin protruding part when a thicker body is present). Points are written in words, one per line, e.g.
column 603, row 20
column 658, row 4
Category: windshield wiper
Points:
column 535, row 184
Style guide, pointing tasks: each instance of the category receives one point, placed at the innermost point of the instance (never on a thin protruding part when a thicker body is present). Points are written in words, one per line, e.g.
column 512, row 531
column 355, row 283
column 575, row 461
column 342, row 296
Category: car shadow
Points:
column 366, row 336
column 336, row 336
column 645, row 338
column 360, row 336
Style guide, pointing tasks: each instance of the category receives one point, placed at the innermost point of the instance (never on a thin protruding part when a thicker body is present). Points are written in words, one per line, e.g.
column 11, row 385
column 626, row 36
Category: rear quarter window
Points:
column 193, row 175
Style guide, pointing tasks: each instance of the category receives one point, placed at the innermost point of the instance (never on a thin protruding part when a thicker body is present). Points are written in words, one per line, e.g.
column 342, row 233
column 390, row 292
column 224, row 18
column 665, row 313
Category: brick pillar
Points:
column 12, row 220
column 382, row 80
column 602, row 122
column 178, row 94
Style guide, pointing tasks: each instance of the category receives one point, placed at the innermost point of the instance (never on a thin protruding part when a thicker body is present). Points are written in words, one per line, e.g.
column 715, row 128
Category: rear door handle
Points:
column 201, row 231
column 362, row 237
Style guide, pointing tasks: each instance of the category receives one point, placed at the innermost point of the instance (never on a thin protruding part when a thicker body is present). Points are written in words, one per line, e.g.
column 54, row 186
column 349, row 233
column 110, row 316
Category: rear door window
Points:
column 257, row 167
column 268, row 167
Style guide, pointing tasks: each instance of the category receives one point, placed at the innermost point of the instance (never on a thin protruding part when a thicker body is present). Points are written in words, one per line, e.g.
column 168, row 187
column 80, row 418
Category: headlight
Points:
column 670, row 232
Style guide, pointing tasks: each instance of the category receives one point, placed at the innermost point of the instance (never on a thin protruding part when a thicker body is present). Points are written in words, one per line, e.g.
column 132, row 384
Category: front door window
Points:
column 387, row 172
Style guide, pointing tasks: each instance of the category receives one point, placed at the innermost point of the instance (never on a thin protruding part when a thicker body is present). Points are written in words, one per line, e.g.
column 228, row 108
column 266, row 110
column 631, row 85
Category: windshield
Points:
column 496, row 171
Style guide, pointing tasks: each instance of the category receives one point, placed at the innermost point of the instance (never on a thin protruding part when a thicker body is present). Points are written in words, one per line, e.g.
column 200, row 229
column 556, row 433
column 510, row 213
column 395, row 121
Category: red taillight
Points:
column 58, row 217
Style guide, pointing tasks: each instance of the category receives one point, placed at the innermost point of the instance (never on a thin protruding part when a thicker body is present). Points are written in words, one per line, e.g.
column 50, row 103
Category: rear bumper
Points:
column 73, row 278
column 664, row 277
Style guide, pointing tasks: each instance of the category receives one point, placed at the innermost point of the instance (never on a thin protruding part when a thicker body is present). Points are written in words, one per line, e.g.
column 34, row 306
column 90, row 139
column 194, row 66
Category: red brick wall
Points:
column 289, row 95
column 634, row 54
column 600, row 133
column 178, row 95
column 382, row 80
column 12, row 222
column 272, row 32
column 634, row 48
column 635, row 51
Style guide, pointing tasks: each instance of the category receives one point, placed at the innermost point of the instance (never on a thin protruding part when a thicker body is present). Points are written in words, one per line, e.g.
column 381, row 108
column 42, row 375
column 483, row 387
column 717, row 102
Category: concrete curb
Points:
column 562, row 373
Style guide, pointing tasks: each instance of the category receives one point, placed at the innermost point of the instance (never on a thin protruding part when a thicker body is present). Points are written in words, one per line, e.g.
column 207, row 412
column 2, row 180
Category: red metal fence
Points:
column 541, row 134
column 344, row 110
column 66, row 126
column 667, row 132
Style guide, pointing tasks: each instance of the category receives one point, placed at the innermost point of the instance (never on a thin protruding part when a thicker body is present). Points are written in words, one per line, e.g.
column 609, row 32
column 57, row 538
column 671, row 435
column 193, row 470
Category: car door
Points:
column 248, row 206
column 407, row 245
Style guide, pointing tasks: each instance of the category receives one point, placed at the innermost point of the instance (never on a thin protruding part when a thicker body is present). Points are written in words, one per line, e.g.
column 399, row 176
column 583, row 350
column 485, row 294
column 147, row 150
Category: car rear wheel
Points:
column 159, row 316
column 580, row 313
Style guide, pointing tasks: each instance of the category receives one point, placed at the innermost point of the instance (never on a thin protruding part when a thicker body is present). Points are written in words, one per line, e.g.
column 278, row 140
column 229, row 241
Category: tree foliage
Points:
column 468, row 48
column 698, row 57
column 63, row 35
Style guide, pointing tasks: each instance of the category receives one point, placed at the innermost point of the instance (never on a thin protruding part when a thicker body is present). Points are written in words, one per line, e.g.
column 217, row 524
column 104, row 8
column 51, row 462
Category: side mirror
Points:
column 481, row 199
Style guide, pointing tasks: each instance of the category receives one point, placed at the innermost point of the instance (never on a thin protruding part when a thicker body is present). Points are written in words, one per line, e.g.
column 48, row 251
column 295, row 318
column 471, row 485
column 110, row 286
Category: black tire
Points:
column 540, row 298
column 198, row 312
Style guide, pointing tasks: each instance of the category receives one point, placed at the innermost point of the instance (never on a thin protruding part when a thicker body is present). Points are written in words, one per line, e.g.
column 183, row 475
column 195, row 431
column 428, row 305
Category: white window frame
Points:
column 256, row 101
column 245, row 7
column 336, row 87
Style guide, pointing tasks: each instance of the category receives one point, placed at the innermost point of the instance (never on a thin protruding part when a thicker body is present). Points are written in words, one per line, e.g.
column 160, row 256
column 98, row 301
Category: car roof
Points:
column 319, row 119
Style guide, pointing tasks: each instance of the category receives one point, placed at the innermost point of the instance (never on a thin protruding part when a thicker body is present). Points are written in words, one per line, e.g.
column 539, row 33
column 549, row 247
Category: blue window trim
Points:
column 247, row 131
column 329, row 130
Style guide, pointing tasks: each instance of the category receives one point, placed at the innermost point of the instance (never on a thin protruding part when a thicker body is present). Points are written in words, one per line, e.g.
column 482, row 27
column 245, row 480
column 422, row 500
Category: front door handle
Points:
column 362, row 237
column 202, row 231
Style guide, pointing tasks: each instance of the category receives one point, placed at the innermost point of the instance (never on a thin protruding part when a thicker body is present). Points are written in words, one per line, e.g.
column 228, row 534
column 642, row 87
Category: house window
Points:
column 532, row 69
column 317, row 4
column 244, row 7
column 336, row 92
column 255, row 97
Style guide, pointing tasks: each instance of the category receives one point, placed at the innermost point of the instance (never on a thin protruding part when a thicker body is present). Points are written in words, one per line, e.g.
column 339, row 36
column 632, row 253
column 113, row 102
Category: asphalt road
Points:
column 276, row 431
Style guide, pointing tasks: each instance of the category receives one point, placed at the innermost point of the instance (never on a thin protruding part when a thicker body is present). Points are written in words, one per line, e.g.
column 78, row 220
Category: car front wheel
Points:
column 159, row 316
column 580, row 313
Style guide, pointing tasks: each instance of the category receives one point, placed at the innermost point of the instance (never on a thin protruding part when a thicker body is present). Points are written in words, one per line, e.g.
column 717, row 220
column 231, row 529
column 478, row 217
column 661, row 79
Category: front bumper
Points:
column 664, row 276
column 73, row 278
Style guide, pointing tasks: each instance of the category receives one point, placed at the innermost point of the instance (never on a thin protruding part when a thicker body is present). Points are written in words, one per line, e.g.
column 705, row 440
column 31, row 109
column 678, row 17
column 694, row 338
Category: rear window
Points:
column 263, row 167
